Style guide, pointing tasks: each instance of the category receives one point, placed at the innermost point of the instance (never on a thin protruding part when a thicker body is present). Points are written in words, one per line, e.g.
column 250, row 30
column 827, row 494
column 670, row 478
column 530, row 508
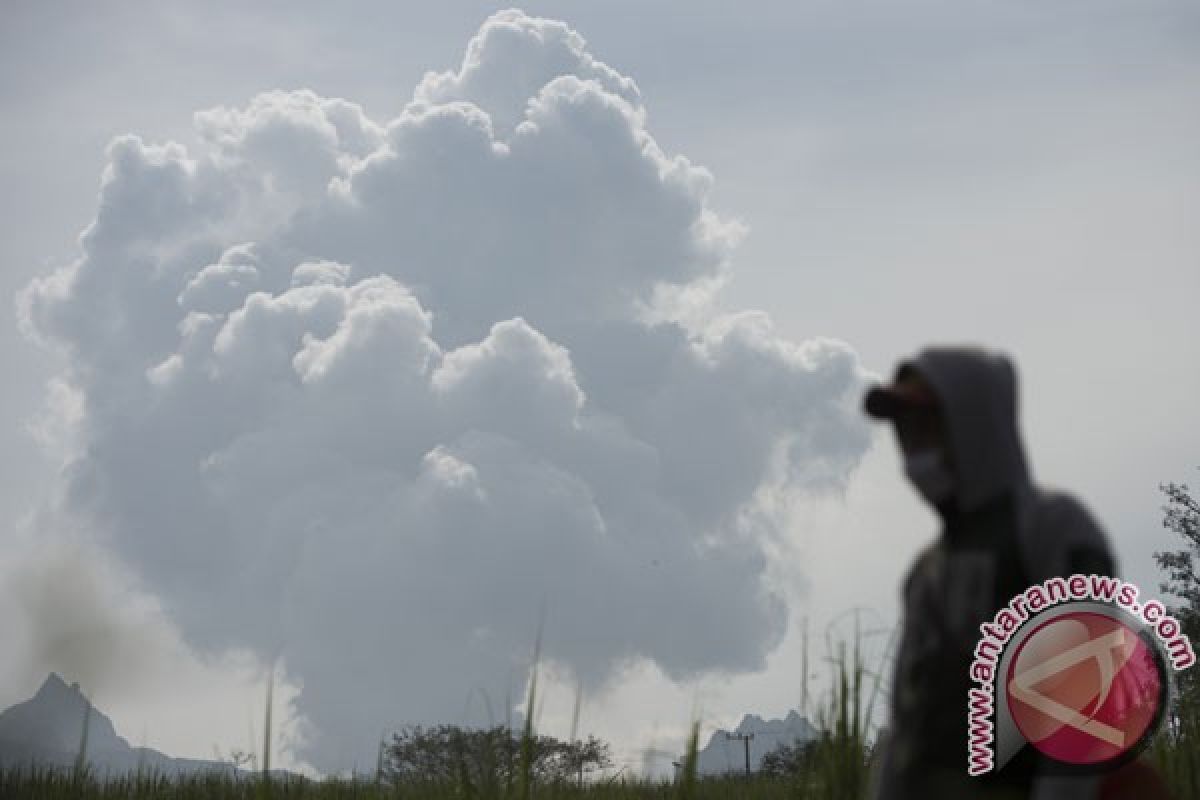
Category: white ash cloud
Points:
column 371, row 394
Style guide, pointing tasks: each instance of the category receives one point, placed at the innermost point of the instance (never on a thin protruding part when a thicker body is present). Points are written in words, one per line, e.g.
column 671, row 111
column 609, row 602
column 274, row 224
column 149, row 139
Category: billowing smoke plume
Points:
column 372, row 395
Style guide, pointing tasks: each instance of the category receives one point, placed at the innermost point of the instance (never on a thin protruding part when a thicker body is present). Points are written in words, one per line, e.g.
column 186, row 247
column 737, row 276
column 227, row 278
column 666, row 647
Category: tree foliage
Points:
column 788, row 759
column 1176, row 751
column 488, row 757
column 1181, row 514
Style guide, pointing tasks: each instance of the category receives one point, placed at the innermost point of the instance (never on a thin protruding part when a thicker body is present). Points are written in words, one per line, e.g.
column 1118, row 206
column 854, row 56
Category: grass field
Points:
column 837, row 767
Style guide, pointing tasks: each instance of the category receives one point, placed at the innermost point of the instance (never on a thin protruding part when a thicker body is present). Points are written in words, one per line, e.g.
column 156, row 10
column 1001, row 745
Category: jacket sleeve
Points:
column 1062, row 538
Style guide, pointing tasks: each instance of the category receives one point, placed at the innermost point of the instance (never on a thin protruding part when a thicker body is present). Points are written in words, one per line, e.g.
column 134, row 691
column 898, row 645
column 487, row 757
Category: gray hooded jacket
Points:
column 1000, row 534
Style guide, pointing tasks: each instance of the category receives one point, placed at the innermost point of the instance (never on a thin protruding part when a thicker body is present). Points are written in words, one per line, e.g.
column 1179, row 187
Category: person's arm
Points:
column 1064, row 539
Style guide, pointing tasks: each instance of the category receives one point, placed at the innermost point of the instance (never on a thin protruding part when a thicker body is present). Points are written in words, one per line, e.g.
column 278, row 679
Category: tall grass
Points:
column 687, row 770
column 836, row 764
column 836, row 770
column 264, row 786
column 81, row 756
column 44, row 784
column 1176, row 750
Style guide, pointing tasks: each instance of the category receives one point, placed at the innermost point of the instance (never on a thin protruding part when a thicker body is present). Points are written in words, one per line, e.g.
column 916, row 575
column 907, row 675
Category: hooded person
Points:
column 954, row 411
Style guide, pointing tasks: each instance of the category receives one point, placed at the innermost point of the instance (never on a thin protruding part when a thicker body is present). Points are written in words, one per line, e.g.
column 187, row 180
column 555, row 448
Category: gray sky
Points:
column 1019, row 174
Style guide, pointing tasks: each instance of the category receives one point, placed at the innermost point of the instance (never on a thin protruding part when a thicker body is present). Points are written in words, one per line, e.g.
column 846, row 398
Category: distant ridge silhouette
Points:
column 47, row 730
column 722, row 755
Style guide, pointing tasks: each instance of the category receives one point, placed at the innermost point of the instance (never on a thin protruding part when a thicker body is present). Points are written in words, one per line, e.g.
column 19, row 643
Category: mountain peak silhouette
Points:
column 55, row 687
column 723, row 755
column 47, row 729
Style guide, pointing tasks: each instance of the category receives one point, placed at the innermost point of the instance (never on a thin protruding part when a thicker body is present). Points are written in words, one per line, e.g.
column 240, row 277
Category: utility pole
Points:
column 745, row 737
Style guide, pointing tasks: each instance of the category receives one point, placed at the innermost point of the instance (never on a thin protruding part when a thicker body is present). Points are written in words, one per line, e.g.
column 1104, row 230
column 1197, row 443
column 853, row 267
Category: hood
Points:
column 977, row 389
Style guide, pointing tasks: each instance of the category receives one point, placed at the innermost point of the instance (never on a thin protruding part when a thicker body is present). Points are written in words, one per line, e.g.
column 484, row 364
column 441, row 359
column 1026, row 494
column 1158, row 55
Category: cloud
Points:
column 371, row 395
column 509, row 61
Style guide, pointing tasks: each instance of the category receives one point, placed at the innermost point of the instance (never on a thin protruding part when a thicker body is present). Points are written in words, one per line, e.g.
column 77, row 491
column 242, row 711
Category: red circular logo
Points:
column 1085, row 688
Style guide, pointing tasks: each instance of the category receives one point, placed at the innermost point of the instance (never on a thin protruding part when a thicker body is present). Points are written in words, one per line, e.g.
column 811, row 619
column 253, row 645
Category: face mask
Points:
column 928, row 472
